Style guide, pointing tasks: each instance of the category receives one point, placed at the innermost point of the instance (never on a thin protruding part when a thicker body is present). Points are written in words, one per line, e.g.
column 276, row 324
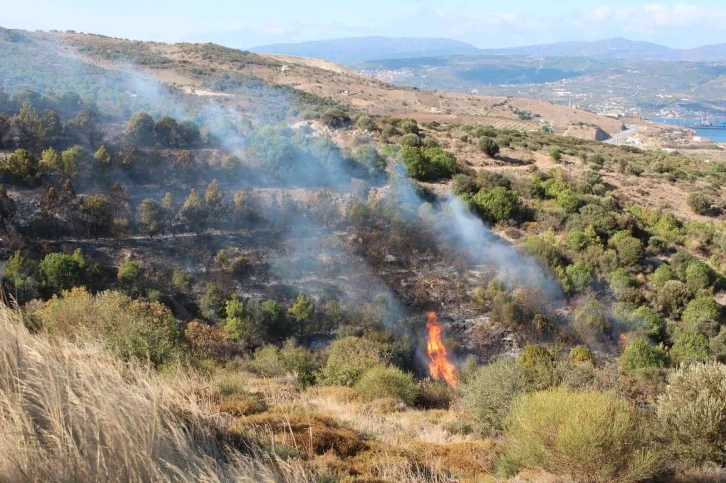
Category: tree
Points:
column 368, row 156
column 569, row 201
column 96, row 215
column 75, row 161
column 166, row 131
column 488, row 146
column 193, row 212
column 131, row 278
column 303, row 310
column 170, row 211
column 58, row 271
column 152, row 216
column 272, row 320
column 700, row 277
column 187, row 133
column 18, row 278
column 103, row 158
column 650, row 322
column 50, row 161
column 87, row 124
column 214, row 201
column 20, row 166
column 672, row 298
column 580, row 276
column 140, row 129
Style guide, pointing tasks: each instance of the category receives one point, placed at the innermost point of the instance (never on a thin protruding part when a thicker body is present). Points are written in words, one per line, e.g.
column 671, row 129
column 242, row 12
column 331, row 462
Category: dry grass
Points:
column 73, row 413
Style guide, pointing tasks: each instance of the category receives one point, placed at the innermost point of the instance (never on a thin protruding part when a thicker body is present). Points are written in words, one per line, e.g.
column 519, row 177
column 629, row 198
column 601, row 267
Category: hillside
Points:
column 222, row 266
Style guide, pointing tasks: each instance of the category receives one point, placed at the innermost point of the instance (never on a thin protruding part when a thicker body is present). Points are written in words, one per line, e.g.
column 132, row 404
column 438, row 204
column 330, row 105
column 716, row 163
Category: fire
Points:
column 439, row 365
column 623, row 336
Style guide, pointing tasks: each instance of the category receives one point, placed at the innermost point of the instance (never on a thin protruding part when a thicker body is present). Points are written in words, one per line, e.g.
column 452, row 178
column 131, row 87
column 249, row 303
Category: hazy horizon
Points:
column 669, row 23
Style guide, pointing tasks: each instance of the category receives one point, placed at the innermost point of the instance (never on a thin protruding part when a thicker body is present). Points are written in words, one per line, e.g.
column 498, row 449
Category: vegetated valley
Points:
column 221, row 266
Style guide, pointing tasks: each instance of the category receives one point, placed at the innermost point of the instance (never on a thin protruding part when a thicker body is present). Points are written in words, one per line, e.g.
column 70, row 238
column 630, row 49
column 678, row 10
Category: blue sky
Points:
column 483, row 23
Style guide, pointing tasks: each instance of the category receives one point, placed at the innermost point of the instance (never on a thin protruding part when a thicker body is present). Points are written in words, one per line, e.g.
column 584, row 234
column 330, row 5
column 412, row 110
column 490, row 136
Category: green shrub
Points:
column 692, row 413
column 625, row 287
column 689, row 347
column 672, row 298
column 569, row 201
column 348, row 359
column 591, row 320
column 582, row 354
column 702, row 315
column 630, row 251
column 580, row 276
column 131, row 278
column 488, row 146
column 58, row 272
column 267, row 362
column 428, row 164
column 650, row 322
column 488, row 395
column 640, row 355
column 700, row 277
column 663, row 274
column 496, row 205
column 698, row 203
column 132, row 329
column 588, row 436
column 385, row 382
column 538, row 366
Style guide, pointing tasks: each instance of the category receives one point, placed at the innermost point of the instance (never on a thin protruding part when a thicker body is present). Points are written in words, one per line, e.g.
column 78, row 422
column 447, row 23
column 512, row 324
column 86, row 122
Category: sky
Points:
column 483, row 23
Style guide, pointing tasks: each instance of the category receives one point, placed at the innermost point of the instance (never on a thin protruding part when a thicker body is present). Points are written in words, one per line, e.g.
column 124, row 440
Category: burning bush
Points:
column 589, row 436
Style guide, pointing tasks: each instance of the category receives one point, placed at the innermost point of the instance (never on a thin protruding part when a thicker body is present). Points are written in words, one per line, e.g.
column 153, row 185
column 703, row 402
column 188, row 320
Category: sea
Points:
column 715, row 135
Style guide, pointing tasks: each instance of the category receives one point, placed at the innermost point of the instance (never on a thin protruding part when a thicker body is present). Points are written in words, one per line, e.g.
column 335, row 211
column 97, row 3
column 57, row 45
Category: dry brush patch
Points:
column 74, row 413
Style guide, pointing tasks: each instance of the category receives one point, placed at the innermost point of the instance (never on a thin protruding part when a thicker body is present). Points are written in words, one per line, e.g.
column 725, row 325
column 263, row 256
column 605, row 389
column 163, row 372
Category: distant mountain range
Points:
column 356, row 50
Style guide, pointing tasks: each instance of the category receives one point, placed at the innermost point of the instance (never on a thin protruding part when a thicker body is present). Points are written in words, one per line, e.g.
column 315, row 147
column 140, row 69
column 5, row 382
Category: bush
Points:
column 582, row 354
column 702, row 315
column 640, row 355
column 698, row 203
column 650, row 322
column 630, row 251
column 132, row 329
column 588, row 436
column 689, row 347
column 410, row 140
column 624, row 286
column 672, row 298
column 488, row 395
column 699, row 277
column 663, row 274
column 538, row 366
column 463, row 184
column 385, row 382
column 692, row 413
column 591, row 320
column 348, row 359
column 488, row 146
column 496, row 205
column 131, row 278
column 58, row 272
column 579, row 276
column 428, row 164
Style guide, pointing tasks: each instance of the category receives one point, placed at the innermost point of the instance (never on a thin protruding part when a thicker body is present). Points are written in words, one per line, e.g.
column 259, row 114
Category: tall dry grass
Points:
column 73, row 413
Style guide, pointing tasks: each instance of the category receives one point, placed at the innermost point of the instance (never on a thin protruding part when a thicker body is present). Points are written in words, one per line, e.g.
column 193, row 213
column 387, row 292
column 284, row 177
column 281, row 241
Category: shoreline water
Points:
column 715, row 135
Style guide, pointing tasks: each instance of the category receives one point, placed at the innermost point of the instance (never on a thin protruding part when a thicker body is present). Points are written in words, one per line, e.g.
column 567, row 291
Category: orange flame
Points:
column 439, row 365
column 623, row 336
